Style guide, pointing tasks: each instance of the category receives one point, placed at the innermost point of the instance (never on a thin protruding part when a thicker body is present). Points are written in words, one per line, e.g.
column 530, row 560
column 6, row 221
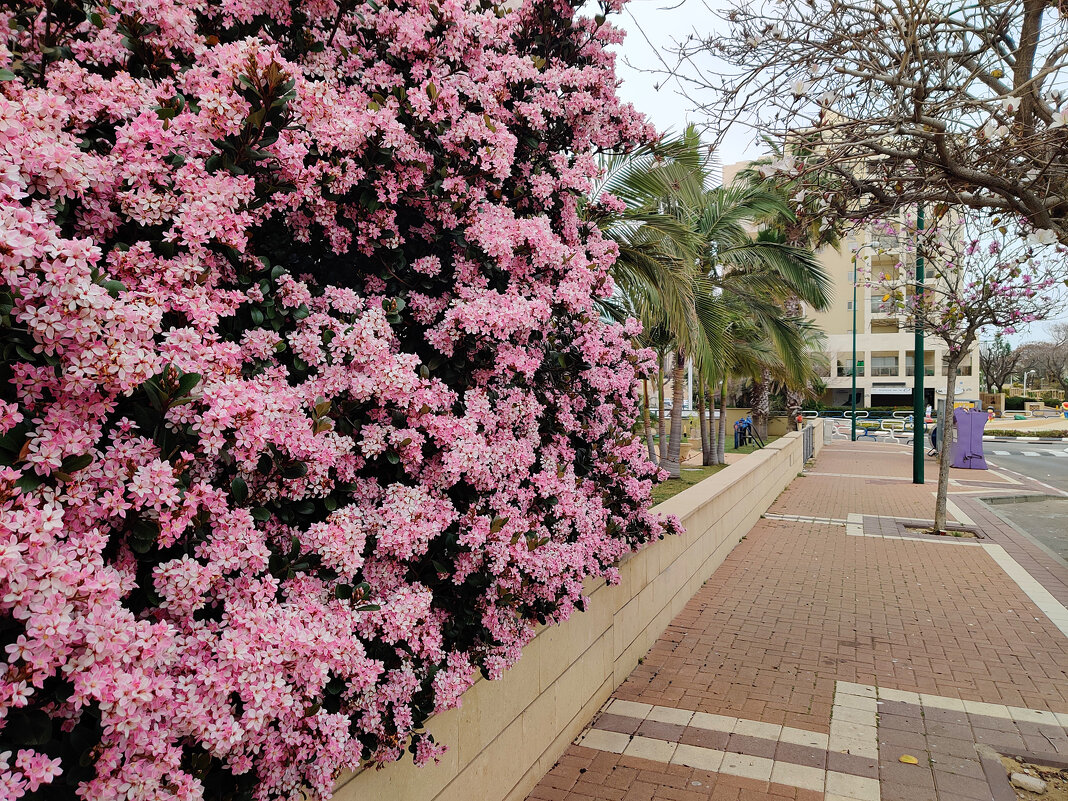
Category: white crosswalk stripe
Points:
column 1041, row 454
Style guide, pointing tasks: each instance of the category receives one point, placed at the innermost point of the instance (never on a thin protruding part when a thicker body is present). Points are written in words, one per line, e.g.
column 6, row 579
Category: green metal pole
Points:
column 918, row 409
column 853, row 367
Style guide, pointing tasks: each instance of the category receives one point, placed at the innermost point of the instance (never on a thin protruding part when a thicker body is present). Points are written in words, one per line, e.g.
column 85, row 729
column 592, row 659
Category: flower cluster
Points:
column 307, row 415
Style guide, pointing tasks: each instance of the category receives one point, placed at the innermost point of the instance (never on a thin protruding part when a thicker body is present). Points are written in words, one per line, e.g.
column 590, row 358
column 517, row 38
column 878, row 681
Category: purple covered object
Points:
column 968, row 445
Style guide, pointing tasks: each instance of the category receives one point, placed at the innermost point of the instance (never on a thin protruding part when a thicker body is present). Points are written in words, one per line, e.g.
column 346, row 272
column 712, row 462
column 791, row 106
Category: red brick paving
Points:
column 798, row 606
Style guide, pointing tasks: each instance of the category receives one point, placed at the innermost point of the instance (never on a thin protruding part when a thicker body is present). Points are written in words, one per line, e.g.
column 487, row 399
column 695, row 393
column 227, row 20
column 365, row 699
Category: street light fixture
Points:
column 1027, row 373
column 853, row 366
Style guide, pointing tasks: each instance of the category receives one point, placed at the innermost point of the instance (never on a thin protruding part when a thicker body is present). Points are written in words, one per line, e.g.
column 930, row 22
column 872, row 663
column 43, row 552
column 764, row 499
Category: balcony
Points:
column 884, row 371
column 963, row 370
column 844, row 371
column 928, row 369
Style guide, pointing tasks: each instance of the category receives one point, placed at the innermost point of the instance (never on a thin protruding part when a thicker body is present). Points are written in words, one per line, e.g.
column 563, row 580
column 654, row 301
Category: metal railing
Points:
column 884, row 371
column 808, row 446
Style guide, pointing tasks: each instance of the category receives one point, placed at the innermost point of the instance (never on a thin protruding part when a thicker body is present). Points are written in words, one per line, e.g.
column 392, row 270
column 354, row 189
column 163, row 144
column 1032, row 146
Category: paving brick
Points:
column 799, row 606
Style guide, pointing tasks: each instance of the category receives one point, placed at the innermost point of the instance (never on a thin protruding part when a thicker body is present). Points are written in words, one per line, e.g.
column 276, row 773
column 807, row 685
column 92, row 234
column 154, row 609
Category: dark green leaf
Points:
column 72, row 464
column 239, row 490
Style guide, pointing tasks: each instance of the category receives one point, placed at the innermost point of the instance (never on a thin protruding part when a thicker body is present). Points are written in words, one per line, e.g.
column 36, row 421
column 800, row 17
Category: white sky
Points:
column 652, row 26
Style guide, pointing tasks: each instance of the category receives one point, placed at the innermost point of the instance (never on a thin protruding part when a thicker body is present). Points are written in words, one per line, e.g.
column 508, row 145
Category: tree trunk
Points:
column 678, row 377
column 706, row 440
column 795, row 398
column 713, row 432
column 722, row 455
column 661, row 430
column 945, row 437
column 762, row 403
column 647, row 422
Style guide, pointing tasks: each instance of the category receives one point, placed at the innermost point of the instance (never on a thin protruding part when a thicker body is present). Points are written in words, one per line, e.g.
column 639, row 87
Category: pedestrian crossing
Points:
column 1063, row 454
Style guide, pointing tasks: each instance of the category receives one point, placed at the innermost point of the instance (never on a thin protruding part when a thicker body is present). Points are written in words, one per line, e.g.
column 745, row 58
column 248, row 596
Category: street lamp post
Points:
column 1027, row 373
column 853, row 366
column 919, row 414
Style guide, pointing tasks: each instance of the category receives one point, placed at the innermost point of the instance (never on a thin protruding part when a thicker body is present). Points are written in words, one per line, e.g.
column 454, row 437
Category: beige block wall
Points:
column 508, row 733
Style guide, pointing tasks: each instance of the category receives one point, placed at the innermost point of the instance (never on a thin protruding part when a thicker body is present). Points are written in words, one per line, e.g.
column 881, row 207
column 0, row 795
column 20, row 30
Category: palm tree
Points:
column 682, row 247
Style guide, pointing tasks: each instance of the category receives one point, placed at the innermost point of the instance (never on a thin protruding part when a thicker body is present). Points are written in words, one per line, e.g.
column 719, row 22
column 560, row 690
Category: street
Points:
column 1046, row 521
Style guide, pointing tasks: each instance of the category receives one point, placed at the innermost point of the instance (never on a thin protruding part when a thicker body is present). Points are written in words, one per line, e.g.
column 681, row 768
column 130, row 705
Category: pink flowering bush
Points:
column 306, row 412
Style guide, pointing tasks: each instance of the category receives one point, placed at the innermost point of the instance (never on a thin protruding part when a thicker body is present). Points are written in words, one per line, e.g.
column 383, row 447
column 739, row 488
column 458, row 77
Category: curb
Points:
column 1024, row 439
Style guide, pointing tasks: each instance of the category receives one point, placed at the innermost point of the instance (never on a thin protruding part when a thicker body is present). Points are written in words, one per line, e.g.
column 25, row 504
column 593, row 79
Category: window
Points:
column 849, row 304
column 884, row 365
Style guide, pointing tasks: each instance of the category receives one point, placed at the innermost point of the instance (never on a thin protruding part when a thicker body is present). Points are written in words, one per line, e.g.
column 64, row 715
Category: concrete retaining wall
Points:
column 509, row 733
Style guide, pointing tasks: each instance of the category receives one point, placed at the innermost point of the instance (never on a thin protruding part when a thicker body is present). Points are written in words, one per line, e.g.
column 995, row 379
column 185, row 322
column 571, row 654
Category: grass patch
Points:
column 747, row 448
column 1001, row 432
column 690, row 476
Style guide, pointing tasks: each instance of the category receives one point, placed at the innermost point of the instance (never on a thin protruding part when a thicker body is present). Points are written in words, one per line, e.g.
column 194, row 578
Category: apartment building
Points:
column 885, row 357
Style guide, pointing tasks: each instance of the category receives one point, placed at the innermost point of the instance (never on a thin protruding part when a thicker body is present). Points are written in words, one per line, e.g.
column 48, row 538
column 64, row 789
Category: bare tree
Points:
column 1048, row 358
column 879, row 104
column 997, row 362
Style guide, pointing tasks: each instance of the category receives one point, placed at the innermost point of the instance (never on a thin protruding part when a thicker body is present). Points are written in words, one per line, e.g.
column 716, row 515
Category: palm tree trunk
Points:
column 672, row 463
column 762, row 403
column 713, row 434
column 706, row 440
column 722, row 422
column 946, row 438
column 647, row 422
column 661, row 431
column 794, row 397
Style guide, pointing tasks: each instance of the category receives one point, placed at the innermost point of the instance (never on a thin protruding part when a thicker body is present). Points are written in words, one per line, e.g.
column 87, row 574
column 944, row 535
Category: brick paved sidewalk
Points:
column 824, row 649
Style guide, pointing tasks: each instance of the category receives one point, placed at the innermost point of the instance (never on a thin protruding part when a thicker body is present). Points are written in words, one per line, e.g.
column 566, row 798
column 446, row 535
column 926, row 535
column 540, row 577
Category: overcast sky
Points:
column 652, row 26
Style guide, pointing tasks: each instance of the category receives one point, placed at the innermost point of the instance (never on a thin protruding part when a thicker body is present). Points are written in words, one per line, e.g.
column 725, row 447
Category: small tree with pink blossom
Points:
column 979, row 276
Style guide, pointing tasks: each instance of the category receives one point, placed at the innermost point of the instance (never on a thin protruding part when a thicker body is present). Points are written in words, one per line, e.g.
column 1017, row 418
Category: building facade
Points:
column 885, row 359
column 885, row 355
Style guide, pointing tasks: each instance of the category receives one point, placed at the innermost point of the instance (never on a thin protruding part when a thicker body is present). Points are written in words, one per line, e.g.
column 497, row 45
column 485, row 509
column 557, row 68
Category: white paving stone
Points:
column 849, row 786
column 942, row 702
column 667, row 714
column 605, row 740
column 703, row 720
column 701, row 758
column 813, row 739
column 850, row 688
column 983, row 708
column 756, row 728
column 862, row 703
column 648, row 748
column 630, row 709
column 802, row 776
column 747, row 767
column 845, row 714
column 904, row 696
column 1033, row 716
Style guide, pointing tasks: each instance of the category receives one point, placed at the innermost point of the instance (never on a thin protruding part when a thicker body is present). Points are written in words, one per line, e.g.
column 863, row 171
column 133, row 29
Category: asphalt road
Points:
column 1047, row 520
column 1047, row 462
